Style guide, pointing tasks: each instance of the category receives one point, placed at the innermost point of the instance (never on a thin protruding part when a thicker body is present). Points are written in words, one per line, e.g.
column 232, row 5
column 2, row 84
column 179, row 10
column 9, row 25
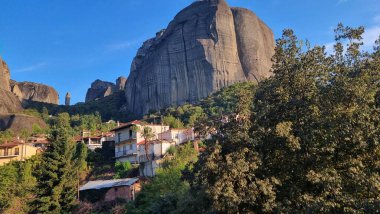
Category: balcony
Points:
column 129, row 140
column 125, row 153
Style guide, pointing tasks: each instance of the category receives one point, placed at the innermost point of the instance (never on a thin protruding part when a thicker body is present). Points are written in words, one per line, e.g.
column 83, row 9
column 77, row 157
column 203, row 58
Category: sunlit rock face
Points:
column 206, row 47
column 30, row 91
column 100, row 89
column 4, row 76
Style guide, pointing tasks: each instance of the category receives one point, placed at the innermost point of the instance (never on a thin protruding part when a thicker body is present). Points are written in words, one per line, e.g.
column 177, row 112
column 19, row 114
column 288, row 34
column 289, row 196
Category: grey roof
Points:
column 101, row 184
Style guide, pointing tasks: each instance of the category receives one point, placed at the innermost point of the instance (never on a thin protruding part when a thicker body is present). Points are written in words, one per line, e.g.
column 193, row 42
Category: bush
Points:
column 122, row 170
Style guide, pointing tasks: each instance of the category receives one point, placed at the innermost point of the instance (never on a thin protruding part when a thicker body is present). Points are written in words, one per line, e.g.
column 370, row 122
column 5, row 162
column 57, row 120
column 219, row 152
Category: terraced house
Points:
column 128, row 141
column 16, row 151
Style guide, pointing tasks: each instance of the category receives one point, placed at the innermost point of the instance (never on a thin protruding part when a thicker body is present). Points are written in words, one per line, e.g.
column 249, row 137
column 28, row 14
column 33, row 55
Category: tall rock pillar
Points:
column 67, row 99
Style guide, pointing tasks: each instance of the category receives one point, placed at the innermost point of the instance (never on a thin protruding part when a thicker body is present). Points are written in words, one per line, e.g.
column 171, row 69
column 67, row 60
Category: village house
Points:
column 110, row 190
column 157, row 149
column 40, row 141
column 128, row 141
column 179, row 136
column 93, row 140
column 16, row 151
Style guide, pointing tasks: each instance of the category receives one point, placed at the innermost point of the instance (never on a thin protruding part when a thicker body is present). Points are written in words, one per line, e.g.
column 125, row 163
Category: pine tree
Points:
column 58, row 172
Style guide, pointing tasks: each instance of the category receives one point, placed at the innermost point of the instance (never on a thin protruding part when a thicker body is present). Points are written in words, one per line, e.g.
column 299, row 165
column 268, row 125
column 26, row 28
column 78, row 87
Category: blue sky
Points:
column 68, row 44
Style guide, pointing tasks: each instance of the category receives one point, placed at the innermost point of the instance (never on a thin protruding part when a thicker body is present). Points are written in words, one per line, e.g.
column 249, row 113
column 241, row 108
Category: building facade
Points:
column 16, row 151
column 128, row 141
column 179, row 136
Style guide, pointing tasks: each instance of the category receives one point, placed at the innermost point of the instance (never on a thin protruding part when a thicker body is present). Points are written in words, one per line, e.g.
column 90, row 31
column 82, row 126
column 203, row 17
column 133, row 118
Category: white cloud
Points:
column 330, row 47
column 31, row 67
column 370, row 36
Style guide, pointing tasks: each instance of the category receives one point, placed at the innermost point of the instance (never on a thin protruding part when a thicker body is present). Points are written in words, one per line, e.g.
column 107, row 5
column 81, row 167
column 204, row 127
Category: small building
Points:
column 179, row 136
column 110, row 190
column 156, row 151
column 16, row 151
column 128, row 141
column 93, row 140
column 40, row 141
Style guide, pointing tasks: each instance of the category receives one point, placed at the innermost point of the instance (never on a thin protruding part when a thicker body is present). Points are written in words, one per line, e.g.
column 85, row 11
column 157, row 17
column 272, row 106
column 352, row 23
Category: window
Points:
column 130, row 146
column 130, row 133
column 119, row 137
column 17, row 151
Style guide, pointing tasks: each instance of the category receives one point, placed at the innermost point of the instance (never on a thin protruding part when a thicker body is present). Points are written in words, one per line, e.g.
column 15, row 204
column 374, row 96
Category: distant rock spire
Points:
column 68, row 98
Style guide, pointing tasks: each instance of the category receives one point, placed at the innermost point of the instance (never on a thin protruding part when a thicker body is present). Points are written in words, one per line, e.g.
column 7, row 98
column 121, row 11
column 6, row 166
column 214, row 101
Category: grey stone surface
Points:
column 67, row 99
column 100, row 89
column 4, row 76
column 120, row 83
column 30, row 91
column 9, row 103
column 206, row 47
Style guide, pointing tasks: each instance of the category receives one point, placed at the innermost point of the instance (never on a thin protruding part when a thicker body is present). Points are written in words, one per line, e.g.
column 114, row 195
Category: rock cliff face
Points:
column 19, row 122
column 29, row 91
column 120, row 83
column 9, row 103
column 4, row 76
column 206, row 47
column 100, row 89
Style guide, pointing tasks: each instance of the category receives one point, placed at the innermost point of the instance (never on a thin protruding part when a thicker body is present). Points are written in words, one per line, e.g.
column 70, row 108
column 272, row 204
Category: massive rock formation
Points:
column 100, row 89
column 4, row 76
column 11, row 117
column 29, row 91
column 206, row 47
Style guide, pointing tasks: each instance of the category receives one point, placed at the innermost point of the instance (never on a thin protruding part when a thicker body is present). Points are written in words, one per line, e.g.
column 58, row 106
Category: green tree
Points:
column 122, row 169
column 8, row 184
column 173, row 122
column 309, row 144
column 58, row 172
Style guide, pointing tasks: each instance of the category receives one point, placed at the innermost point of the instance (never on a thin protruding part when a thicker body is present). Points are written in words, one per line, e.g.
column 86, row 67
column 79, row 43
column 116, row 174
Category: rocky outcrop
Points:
column 29, row 91
column 67, row 99
column 206, row 47
column 100, row 89
column 4, row 76
column 120, row 83
column 19, row 122
column 9, row 103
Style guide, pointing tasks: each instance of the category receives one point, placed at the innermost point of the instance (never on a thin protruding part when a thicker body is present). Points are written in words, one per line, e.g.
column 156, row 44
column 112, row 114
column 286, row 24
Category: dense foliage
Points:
column 308, row 143
column 17, row 185
column 164, row 192
column 110, row 108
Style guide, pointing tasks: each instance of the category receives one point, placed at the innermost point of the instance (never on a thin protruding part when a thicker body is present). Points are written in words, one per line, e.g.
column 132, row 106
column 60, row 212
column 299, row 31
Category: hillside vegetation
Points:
column 305, row 140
